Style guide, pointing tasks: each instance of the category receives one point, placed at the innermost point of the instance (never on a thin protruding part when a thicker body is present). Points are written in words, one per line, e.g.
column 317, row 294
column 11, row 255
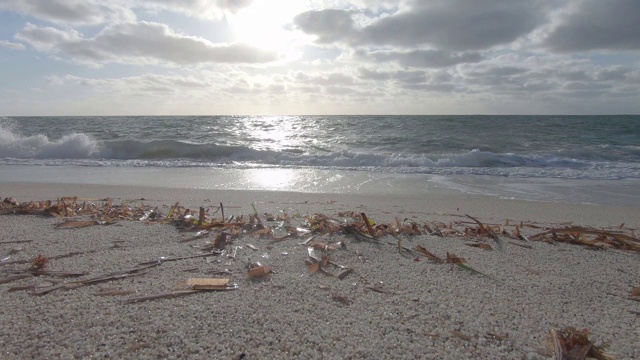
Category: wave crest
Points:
column 71, row 146
column 83, row 150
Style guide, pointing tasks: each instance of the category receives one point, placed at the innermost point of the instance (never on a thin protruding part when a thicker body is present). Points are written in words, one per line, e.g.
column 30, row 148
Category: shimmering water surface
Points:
column 557, row 158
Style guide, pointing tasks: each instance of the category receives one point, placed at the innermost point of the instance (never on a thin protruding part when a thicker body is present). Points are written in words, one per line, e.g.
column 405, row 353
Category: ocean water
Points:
column 585, row 159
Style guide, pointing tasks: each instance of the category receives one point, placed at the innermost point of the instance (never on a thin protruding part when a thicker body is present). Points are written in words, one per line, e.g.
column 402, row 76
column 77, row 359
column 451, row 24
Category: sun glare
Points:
column 263, row 24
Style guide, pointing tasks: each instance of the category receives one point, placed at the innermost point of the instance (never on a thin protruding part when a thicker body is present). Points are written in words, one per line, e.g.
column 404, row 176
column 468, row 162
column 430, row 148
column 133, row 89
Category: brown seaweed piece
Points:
column 259, row 272
column 75, row 224
column 576, row 235
column 483, row 230
column 428, row 254
column 572, row 344
column 98, row 279
column 483, row 246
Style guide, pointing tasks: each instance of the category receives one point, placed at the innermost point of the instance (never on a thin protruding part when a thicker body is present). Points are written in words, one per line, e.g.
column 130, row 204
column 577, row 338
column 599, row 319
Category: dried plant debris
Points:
column 38, row 263
column 211, row 223
column 483, row 246
column 460, row 335
column 165, row 295
column 14, row 277
column 141, row 270
column 259, row 271
column 379, row 288
column 190, row 286
column 318, row 261
column 422, row 250
column 214, row 284
column 572, row 344
column 590, row 237
column 280, row 227
column 341, row 299
column 75, row 224
column 113, row 292
column 482, row 230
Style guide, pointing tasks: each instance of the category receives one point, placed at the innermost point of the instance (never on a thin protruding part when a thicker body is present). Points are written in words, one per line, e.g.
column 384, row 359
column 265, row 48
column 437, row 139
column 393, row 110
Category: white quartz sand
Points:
column 425, row 309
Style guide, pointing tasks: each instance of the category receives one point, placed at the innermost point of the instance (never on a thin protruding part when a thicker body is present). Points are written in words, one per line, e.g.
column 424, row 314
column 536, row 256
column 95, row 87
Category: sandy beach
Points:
column 391, row 305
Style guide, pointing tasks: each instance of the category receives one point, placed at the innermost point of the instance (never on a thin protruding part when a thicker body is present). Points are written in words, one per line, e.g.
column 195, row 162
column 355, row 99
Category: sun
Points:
column 264, row 24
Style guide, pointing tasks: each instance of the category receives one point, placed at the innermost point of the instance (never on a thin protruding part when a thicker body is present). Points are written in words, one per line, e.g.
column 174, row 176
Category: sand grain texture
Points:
column 390, row 306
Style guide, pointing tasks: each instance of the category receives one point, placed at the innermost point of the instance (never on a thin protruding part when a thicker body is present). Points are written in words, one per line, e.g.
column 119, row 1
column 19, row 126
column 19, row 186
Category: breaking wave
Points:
column 84, row 150
column 71, row 146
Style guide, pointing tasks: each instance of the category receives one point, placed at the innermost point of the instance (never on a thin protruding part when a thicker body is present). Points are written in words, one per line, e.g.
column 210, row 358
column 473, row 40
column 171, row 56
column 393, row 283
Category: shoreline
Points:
column 390, row 306
column 622, row 192
column 436, row 204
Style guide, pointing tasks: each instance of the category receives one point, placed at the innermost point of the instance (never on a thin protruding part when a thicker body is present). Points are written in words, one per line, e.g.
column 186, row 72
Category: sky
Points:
column 249, row 57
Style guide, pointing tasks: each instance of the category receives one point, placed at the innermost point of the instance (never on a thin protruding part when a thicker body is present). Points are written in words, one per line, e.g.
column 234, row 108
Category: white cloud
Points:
column 207, row 9
column 326, row 79
column 74, row 12
column 96, row 12
column 378, row 55
column 138, row 43
column 12, row 45
column 406, row 77
column 148, row 84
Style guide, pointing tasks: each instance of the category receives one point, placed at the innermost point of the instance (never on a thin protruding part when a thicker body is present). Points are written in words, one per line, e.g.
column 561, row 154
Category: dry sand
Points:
column 428, row 310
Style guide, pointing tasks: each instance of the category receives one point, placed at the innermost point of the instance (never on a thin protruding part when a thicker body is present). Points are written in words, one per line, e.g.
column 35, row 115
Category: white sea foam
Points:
column 91, row 142
column 71, row 146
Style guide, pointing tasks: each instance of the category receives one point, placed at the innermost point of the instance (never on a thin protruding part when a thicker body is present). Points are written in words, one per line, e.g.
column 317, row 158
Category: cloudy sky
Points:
column 137, row 57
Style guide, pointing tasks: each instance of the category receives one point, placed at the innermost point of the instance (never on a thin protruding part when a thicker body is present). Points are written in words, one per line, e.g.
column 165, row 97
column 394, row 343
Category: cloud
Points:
column 148, row 84
column 458, row 25
column 74, row 12
column 12, row 45
column 329, row 25
column 96, row 12
column 598, row 25
column 197, row 8
column 540, row 77
column 398, row 55
column 327, row 79
column 454, row 25
column 407, row 77
column 422, row 58
column 138, row 43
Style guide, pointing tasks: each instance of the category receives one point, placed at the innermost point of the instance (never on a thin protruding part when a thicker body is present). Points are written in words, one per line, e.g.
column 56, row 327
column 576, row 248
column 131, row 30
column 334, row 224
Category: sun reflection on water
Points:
column 273, row 179
column 276, row 133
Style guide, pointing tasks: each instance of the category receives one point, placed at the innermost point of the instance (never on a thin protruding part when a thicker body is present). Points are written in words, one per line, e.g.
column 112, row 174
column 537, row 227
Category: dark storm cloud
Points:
column 598, row 25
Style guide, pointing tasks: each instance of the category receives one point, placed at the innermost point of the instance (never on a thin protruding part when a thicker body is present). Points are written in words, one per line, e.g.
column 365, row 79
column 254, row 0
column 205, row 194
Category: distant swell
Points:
column 83, row 150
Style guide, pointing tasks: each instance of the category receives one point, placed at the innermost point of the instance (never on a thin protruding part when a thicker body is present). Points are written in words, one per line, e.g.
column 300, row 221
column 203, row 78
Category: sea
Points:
column 574, row 159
